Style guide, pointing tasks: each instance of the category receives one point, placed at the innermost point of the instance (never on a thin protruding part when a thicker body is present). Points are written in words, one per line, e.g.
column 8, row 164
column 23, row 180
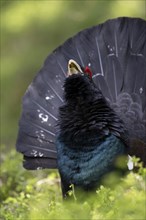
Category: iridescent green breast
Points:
column 84, row 166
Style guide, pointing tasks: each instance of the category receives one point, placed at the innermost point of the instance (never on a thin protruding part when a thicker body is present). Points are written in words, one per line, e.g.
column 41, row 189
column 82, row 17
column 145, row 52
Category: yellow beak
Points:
column 73, row 67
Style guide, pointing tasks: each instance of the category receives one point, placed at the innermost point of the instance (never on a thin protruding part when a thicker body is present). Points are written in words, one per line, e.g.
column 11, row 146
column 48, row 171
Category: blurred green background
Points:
column 30, row 30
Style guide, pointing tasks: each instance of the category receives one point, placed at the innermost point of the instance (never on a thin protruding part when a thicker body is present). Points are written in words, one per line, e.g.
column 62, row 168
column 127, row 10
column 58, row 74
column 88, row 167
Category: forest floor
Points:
column 36, row 195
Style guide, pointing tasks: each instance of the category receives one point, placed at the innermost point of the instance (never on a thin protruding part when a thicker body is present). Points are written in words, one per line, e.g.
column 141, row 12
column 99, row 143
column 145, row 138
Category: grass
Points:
column 36, row 195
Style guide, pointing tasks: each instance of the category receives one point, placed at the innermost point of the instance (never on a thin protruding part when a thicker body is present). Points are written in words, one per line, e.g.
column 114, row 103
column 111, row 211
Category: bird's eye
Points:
column 88, row 72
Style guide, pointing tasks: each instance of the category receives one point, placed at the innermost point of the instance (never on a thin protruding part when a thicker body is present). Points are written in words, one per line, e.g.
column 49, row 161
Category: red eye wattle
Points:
column 88, row 71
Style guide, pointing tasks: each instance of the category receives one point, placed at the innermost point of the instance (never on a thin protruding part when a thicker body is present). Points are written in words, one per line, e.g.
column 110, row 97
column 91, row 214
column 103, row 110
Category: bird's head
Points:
column 79, row 83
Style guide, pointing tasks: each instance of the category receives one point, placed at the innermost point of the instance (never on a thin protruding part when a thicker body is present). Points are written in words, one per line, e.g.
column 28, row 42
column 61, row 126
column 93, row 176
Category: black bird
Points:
column 87, row 105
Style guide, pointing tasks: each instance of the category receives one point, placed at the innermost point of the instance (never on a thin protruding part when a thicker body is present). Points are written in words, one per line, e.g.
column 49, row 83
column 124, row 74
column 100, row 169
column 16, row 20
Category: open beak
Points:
column 73, row 68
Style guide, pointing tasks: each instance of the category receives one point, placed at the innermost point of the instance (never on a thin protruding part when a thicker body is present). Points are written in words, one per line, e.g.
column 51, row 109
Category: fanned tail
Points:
column 116, row 53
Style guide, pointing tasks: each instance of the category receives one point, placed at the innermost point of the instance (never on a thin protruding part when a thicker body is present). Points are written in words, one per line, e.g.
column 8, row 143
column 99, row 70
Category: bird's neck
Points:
column 84, row 121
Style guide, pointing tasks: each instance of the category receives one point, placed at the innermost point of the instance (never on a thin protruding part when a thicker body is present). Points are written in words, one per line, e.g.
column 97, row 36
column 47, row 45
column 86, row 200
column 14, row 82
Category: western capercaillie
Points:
column 87, row 105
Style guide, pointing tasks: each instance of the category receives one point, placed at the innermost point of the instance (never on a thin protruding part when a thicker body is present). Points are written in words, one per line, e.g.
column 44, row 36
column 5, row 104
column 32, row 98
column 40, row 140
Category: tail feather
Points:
column 135, row 77
column 100, row 81
column 46, row 149
column 114, row 77
column 38, row 163
column 116, row 53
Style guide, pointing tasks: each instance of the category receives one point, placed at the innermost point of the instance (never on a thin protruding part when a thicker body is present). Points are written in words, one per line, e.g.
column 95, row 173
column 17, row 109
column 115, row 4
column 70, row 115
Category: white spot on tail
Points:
column 34, row 153
column 43, row 117
column 40, row 154
column 141, row 90
column 49, row 97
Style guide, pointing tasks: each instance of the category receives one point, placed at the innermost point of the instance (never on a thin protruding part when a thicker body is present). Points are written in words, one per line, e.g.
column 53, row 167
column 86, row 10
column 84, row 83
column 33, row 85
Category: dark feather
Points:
column 115, row 51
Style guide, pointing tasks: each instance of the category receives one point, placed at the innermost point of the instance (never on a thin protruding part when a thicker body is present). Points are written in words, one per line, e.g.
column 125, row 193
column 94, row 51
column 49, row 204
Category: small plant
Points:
column 36, row 195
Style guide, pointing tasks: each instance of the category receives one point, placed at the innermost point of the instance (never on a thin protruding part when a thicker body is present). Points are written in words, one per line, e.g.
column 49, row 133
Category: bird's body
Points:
column 87, row 145
column 81, row 122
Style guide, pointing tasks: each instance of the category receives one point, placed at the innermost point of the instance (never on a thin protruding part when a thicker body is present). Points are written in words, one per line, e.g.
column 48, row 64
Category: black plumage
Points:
column 71, row 119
